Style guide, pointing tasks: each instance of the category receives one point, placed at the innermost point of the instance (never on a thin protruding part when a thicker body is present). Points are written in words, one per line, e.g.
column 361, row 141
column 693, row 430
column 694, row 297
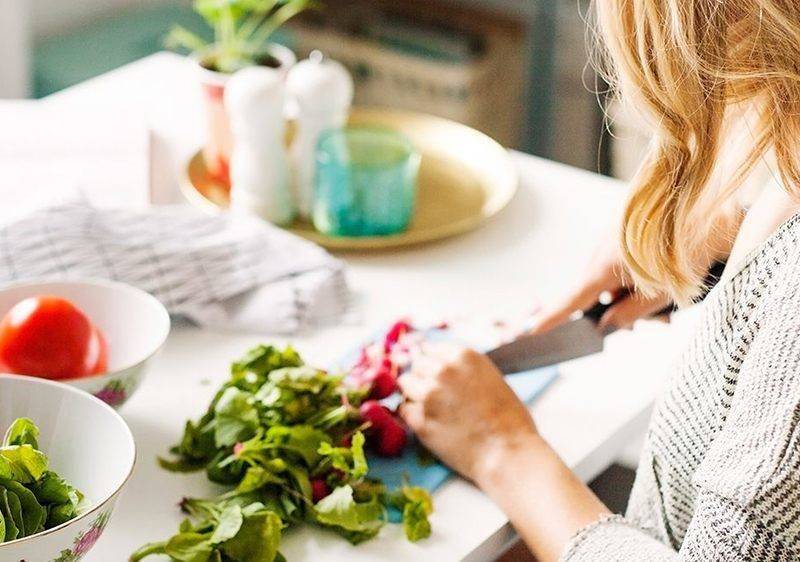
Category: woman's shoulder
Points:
column 768, row 281
column 757, row 449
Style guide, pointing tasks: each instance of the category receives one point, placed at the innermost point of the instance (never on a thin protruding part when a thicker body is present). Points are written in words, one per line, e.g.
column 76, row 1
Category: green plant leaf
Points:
column 287, row 10
column 181, row 38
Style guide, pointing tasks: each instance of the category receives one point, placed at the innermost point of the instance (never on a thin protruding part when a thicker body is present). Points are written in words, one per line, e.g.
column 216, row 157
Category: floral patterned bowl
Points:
column 134, row 323
column 87, row 443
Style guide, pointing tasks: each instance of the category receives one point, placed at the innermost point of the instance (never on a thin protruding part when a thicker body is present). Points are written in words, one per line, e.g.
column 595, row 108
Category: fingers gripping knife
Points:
column 577, row 338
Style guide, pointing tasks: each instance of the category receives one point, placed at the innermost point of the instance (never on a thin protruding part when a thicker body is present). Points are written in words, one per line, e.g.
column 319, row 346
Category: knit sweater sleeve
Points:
column 720, row 531
column 747, row 505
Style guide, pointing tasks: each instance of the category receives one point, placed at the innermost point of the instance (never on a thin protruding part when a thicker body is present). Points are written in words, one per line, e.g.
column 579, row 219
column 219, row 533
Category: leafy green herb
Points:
column 356, row 521
column 415, row 504
column 277, row 432
column 350, row 461
column 32, row 498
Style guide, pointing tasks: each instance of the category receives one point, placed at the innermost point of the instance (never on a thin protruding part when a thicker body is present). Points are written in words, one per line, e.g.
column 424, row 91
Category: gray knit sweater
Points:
column 719, row 477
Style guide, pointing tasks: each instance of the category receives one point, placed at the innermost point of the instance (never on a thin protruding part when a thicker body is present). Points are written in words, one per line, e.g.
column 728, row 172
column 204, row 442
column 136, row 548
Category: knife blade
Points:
column 574, row 339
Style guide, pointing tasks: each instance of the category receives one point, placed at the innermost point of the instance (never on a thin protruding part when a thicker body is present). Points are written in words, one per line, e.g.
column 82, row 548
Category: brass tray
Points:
column 465, row 178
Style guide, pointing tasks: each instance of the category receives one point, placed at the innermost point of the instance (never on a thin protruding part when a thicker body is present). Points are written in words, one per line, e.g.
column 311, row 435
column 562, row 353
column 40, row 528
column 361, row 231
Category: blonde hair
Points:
column 687, row 65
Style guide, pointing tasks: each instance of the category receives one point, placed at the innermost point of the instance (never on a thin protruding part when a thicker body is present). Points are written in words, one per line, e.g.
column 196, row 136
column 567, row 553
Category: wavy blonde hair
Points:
column 687, row 65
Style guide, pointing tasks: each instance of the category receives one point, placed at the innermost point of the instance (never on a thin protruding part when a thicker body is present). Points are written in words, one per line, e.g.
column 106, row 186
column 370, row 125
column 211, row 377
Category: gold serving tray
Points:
column 465, row 178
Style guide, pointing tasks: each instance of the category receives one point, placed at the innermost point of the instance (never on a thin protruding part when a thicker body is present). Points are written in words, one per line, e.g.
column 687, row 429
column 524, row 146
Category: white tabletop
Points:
column 529, row 253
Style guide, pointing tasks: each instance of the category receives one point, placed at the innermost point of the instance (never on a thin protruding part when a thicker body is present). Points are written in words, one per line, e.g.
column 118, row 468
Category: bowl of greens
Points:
column 64, row 458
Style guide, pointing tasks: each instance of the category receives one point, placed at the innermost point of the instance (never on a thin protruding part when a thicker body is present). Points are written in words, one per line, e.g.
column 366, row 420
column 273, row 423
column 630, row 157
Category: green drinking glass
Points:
column 365, row 182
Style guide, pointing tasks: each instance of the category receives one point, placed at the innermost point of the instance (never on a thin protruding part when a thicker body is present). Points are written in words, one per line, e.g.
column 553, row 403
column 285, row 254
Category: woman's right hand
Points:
column 607, row 274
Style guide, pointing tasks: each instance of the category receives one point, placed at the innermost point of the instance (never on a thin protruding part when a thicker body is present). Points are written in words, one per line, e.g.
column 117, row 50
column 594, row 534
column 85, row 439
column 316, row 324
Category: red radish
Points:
column 381, row 379
column 376, row 414
column 319, row 489
column 386, row 434
column 384, row 384
column 392, row 439
column 397, row 331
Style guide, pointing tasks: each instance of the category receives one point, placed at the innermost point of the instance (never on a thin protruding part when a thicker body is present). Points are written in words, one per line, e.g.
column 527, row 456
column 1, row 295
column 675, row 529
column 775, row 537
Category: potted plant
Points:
column 242, row 29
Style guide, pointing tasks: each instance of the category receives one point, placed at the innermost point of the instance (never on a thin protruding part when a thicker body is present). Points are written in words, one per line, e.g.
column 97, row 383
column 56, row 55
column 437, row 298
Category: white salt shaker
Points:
column 259, row 168
column 322, row 91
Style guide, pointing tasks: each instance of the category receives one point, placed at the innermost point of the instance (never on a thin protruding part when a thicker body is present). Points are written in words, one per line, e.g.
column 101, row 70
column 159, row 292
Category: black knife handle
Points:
column 714, row 274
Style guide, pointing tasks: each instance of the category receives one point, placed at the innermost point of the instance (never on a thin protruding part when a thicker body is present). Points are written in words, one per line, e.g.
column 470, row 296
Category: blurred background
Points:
column 515, row 69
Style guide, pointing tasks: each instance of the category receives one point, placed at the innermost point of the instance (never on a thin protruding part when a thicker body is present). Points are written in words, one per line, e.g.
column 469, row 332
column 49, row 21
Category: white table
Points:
column 531, row 252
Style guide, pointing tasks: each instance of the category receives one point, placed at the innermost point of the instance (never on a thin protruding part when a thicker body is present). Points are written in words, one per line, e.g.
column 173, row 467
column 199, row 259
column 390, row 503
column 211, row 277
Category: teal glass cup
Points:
column 365, row 182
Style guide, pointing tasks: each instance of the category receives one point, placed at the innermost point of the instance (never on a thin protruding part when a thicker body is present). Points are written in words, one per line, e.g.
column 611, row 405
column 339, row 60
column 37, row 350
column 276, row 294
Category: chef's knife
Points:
column 576, row 338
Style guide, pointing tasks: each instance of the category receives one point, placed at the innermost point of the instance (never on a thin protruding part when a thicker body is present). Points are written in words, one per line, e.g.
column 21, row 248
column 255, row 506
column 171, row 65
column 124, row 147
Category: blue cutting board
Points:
column 430, row 474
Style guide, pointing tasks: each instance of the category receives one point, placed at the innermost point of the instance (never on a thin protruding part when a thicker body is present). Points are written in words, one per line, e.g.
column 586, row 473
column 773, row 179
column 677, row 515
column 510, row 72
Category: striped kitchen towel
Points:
column 226, row 271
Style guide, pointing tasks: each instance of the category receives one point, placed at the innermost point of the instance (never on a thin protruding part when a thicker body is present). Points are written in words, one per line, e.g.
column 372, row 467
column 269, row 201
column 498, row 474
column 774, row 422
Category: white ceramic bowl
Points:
column 134, row 323
column 87, row 443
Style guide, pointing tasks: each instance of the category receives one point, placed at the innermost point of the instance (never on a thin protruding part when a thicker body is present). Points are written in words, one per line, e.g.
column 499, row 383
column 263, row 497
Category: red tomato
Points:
column 50, row 337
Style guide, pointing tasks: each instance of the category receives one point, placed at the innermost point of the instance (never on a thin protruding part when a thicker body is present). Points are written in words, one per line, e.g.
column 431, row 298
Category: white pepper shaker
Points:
column 259, row 168
column 322, row 91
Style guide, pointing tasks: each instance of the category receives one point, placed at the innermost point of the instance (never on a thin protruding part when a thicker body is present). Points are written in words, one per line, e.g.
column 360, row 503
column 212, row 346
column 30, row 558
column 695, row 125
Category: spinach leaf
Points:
column 351, row 461
column 22, row 432
column 230, row 521
column 189, row 547
column 33, row 513
column 415, row 504
column 24, row 463
column 257, row 540
column 355, row 521
column 32, row 498
column 52, row 489
column 12, row 529
column 236, row 417
column 415, row 521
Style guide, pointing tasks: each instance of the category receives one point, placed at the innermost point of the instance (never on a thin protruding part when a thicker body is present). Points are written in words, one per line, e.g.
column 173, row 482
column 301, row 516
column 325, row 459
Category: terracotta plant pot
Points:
column 219, row 143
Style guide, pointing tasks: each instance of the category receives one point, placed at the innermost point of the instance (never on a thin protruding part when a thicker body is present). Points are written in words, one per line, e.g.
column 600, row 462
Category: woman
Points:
column 719, row 477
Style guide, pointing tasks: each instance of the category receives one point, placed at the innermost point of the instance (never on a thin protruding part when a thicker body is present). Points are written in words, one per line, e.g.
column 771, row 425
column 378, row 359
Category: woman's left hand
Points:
column 461, row 408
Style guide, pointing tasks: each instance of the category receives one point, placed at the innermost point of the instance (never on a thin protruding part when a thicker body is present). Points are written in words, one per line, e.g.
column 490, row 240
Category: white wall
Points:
column 15, row 49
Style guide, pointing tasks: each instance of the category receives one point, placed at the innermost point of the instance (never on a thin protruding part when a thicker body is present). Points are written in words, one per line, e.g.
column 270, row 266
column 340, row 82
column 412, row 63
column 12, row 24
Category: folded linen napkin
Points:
column 225, row 271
